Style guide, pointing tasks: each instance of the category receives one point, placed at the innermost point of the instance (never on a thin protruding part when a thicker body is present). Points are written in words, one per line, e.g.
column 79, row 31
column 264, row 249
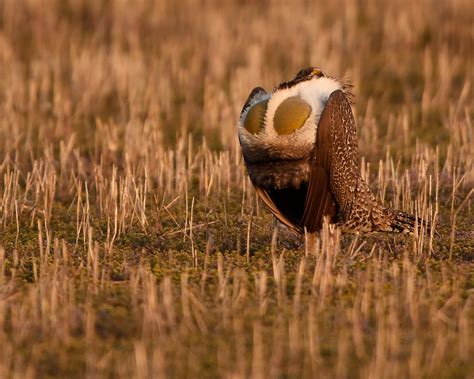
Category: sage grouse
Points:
column 299, row 144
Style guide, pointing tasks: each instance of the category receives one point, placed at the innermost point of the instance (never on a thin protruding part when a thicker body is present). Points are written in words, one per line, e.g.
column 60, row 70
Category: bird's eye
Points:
column 317, row 72
column 290, row 115
column 256, row 117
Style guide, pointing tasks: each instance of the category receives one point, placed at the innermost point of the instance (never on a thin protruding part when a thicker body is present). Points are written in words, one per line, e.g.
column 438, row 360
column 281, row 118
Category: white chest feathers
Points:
column 288, row 115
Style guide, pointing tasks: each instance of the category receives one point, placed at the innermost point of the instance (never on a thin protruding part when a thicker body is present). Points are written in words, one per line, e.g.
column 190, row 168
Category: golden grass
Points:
column 131, row 241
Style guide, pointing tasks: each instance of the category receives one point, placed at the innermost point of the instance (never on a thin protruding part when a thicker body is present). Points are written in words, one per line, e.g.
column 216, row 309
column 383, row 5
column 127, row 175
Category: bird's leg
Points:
column 310, row 243
column 273, row 244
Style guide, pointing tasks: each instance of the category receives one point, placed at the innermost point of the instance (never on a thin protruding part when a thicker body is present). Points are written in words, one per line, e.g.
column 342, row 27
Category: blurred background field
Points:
column 131, row 241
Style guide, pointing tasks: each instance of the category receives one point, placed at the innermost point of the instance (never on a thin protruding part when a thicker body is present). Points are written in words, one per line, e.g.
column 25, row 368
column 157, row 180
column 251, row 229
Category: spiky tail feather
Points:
column 402, row 222
column 365, row 215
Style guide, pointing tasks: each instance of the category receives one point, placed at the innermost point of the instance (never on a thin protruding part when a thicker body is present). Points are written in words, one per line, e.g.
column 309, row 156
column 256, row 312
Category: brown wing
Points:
column 333, row 175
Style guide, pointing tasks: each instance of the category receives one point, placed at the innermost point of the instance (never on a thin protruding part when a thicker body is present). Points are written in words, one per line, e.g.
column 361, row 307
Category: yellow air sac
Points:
column 256, row 117
column 290, row 115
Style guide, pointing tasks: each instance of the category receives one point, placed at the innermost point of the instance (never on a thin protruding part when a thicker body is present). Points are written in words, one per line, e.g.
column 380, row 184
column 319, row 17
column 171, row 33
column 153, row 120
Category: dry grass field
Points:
column 131, row 241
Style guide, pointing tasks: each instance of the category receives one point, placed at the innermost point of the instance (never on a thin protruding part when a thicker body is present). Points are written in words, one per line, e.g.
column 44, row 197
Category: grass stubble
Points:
column 131, row 240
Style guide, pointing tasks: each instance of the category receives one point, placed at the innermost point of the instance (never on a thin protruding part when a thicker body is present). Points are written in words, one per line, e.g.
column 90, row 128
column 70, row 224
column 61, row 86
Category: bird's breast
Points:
column 279, row 174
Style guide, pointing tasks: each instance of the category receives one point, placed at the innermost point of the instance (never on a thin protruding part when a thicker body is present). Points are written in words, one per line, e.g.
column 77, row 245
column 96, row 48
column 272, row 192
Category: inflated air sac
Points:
column 256, row 117
column 291, row 115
